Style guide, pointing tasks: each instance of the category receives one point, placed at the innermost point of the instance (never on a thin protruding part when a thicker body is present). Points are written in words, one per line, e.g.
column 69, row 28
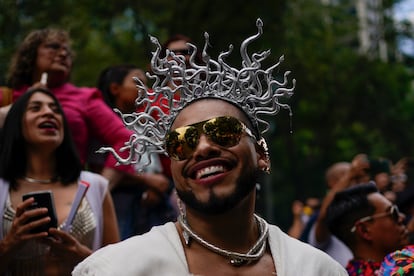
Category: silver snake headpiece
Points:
column 177, row 84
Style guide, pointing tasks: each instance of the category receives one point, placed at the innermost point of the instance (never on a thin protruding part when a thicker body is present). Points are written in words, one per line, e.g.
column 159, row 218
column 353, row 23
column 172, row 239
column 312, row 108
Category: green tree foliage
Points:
column 344, row 103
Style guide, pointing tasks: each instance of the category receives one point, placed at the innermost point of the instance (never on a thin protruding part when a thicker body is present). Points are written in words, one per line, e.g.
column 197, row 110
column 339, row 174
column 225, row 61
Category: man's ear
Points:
column 363, row 230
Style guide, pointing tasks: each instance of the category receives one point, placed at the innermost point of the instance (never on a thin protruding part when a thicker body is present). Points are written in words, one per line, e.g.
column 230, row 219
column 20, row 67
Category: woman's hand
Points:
column 21, row 230
column 67, row 248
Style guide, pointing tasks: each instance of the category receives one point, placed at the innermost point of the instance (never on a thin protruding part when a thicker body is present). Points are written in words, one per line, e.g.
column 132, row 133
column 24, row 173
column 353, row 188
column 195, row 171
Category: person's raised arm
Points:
column 352, row 176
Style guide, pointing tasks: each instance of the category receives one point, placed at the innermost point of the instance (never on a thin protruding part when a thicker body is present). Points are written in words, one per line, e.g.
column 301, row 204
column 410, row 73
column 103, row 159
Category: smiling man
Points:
column 213, row 134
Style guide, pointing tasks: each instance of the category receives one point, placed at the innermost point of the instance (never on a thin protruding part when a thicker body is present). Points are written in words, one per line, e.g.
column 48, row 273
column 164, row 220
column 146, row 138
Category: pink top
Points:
column 89, row 117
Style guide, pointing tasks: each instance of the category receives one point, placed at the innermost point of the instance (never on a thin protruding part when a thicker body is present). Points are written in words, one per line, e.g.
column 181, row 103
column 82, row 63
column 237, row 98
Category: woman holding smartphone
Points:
column 37, row 153
column 45, row 59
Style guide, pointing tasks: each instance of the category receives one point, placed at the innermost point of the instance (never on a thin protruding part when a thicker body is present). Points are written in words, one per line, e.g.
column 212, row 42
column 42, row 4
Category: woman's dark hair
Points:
column 347, row 207
column 13, row 159
column 113, row 74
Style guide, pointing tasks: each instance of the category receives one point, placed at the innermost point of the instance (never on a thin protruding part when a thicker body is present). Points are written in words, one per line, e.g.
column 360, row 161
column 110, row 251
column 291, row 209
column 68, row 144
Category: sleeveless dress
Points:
column 87, row 226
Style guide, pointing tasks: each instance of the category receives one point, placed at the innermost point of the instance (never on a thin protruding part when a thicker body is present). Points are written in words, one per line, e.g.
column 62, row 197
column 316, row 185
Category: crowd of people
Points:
column 184, row 203
column 38, row 153
column 49, row 128
column 217, row 154
column 138, row 207
column 365, row 217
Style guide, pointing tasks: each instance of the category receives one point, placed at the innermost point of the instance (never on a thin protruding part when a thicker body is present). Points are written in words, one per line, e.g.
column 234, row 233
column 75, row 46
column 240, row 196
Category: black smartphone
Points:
column 43, row 199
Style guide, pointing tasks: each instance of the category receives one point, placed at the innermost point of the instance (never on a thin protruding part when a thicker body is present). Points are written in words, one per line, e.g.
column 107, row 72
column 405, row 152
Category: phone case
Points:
column 43, row 199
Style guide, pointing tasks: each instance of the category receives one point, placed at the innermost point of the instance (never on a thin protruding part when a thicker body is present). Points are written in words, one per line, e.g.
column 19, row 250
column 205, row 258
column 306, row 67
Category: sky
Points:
column 405, row 10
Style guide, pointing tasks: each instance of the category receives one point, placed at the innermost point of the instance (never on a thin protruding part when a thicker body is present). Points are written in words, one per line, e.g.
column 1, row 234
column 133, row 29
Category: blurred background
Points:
column 353, row 62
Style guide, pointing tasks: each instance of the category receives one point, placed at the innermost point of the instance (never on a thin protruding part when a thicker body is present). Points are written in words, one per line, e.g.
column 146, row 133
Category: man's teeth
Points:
column 208, row 171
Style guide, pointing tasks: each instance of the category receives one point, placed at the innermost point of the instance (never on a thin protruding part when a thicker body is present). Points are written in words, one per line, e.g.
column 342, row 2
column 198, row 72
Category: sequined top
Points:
column 31, row 258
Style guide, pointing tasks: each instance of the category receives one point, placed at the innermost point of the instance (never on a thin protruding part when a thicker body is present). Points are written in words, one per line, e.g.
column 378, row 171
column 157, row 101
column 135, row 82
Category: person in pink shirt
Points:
column 138, row 207
column 44, row 59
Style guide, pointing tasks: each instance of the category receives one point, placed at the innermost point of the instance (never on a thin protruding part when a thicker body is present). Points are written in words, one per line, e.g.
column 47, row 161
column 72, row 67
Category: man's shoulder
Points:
column 289, row 245
column 296, row 256
column 162, row 235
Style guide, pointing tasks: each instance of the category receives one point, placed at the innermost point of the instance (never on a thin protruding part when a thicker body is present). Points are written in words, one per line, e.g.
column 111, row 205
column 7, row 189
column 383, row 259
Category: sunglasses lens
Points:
column 181, row 142
column 224, row 131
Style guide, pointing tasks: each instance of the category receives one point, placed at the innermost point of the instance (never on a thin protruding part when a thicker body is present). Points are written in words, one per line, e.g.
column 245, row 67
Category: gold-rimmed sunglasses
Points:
column 225, row 131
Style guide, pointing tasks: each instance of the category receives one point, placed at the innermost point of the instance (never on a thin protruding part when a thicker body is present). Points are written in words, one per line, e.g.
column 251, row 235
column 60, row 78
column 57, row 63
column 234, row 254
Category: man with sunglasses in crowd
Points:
column 212, row 135
column 369, row 224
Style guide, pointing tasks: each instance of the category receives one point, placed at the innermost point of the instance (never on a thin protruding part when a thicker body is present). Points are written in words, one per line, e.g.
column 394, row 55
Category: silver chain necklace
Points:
column 236, row 259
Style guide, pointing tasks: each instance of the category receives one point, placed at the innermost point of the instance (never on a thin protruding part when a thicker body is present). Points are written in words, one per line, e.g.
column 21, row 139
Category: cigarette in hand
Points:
column 43, row 79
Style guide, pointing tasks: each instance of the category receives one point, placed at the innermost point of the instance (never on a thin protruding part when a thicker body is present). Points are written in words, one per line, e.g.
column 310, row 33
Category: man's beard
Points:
column 219, row 205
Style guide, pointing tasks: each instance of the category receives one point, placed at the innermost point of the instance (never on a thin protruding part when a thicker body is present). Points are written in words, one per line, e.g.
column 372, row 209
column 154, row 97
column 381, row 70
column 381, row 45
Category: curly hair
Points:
column 24, row 60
